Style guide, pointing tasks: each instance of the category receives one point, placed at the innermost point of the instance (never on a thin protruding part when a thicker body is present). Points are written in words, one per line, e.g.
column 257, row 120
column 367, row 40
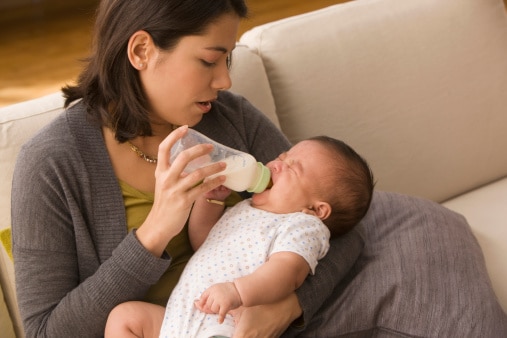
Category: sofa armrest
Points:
column 484, row 208
column 18, row 123
column 7, row 282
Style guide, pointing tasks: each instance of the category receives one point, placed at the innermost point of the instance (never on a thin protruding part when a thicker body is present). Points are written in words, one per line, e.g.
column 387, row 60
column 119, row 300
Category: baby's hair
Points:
column 350, row 190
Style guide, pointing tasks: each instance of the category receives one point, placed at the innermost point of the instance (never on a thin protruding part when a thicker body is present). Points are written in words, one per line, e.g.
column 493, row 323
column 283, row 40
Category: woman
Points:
column 99, row 213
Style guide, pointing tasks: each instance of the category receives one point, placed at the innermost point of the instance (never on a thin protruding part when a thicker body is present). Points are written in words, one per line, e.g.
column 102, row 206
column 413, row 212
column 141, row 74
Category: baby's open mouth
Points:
column 270, row 184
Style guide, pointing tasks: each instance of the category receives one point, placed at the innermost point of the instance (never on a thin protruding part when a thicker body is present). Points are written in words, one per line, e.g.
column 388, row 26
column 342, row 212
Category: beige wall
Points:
column 14, row 11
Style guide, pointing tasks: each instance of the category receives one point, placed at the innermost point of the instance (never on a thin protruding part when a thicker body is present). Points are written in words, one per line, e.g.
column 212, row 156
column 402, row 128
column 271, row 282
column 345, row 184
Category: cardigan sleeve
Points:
column 65, row 287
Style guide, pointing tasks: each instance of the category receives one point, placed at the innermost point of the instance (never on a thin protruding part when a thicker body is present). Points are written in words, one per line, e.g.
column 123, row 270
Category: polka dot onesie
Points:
column 240, row 242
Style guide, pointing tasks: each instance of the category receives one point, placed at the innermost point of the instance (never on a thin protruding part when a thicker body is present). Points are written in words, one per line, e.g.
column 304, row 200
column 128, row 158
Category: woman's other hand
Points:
column 220, row 193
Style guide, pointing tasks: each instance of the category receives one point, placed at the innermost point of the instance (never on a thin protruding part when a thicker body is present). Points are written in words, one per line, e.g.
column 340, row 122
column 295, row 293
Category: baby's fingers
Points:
column 209, row 304
column 221, row 315
column 200, row 306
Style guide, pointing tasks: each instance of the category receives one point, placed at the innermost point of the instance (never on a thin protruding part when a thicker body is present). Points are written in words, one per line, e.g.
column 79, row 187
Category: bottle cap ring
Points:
column 263, row 180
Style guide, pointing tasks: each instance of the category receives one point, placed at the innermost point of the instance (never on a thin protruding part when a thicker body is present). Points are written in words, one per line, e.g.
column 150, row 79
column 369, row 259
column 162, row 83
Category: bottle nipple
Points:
column 263, row 179
column 270, row 183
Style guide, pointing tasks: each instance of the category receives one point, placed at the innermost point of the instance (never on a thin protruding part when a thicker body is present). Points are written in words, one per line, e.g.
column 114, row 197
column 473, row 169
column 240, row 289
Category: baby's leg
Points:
column 135, row 319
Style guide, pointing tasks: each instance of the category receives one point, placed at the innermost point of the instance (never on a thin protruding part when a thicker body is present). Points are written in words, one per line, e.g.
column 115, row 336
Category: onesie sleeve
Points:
column 304, row 235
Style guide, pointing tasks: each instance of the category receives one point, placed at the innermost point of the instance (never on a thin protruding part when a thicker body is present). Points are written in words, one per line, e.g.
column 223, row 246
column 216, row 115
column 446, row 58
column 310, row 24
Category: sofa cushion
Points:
column 417, row 87
column 401, row 286
column 484, row 209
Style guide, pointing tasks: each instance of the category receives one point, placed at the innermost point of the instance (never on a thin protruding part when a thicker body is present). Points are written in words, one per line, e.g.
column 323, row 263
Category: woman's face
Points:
column 296, row 175
column 182, row 84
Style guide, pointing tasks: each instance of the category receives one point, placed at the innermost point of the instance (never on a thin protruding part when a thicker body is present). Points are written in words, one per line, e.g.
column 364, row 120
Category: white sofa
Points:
column 418, row 87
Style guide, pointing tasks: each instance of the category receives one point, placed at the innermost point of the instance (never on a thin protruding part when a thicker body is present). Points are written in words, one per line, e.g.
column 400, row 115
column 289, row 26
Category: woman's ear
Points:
column 138, row 49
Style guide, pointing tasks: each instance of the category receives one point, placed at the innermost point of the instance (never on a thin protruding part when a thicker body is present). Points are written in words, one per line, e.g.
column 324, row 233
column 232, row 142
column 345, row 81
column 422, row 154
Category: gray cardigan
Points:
column 74, row 260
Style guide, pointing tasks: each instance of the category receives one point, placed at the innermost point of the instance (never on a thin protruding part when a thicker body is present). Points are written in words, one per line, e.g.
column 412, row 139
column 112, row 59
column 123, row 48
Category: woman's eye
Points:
column 207, row 64
column 229, row 61
column 214, row 63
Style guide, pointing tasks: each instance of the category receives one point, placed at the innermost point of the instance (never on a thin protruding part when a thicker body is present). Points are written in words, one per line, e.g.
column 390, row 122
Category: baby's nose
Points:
column 274, row 166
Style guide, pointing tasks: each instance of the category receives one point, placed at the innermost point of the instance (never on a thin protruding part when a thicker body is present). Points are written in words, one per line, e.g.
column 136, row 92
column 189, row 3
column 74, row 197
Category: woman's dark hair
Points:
column 349, row 190
column 109, row 85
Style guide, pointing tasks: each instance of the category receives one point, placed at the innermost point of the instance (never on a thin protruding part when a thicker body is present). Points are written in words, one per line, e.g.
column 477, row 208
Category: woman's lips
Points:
column 205, row 106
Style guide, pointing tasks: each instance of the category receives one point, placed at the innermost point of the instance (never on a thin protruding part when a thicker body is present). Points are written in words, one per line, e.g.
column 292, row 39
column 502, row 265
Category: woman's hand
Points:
column 206, row 212
column 269, row 320
column 175, row 192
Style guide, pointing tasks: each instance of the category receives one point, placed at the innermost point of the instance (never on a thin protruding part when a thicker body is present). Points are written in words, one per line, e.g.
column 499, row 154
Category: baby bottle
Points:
column 243, row 172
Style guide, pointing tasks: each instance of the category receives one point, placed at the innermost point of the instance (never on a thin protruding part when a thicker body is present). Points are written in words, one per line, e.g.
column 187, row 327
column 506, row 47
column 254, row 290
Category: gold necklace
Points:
column 142, row 155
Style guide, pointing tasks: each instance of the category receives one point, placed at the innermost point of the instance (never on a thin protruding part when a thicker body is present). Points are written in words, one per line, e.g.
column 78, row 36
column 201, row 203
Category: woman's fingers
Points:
column 195, row 179
column 198, row 153
column 164, row 149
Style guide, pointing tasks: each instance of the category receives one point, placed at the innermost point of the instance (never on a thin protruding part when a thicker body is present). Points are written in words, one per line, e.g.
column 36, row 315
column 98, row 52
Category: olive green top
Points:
column 137, row 206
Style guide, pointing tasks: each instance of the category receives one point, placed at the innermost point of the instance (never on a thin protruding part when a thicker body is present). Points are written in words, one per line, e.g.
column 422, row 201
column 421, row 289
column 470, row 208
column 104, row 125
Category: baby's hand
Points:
column 219, row 299
column 220, row 193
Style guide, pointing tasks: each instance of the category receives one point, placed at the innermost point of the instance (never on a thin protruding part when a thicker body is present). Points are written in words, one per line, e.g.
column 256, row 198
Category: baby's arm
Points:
column 206, row 211
column 283, row 273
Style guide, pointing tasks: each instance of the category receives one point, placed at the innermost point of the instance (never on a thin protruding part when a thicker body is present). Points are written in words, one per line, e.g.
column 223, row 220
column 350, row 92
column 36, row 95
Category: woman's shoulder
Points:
column 228, row 98
column 232, row 114
column 51, row 137
column 235, row 107
column 55, row 132
column 57, row 139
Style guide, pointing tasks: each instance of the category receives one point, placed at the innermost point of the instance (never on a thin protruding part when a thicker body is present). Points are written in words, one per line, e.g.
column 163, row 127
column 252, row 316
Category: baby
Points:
column 262, row 249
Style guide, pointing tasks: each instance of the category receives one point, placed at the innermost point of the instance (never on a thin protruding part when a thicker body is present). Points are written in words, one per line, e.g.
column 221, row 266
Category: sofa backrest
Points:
column 417, row 87
column 249, row 79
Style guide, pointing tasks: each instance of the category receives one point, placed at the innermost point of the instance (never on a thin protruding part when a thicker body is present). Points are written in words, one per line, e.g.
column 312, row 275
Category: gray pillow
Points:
column 421, row 274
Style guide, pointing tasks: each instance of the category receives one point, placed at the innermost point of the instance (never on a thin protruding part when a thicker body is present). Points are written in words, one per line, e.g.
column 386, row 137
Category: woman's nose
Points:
column 222, row 79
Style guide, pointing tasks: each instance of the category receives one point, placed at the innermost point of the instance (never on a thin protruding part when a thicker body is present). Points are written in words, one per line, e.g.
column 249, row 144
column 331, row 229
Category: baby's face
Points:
column 296, row 174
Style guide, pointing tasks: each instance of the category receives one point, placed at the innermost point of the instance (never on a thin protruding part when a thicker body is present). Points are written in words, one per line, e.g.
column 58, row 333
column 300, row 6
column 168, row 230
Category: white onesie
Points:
column 240, row 242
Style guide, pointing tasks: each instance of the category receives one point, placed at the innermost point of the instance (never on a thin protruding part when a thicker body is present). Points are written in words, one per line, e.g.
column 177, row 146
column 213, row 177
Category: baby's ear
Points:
column 322, row 209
